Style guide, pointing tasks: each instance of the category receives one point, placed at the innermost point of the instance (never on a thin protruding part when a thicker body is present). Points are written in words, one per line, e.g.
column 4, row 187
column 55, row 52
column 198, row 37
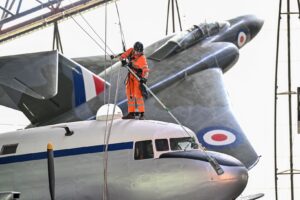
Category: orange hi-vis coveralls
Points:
column 133, row 91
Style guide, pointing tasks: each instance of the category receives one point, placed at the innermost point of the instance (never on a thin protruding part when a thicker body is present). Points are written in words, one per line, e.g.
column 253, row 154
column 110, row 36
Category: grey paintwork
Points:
column 40, row 82
column 38, row 71
column 81, row 177
column 188, row 80
column 9, row 195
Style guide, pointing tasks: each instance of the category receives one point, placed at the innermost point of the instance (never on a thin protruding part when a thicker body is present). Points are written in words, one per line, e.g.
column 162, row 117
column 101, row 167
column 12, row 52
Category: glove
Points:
column 130, row 65
column 139, row 72
column 112, row 56
column 143, row 80
column 124, row 62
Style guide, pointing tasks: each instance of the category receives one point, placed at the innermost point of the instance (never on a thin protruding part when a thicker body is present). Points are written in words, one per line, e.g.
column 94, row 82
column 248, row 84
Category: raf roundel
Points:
column 219, row 137
column 241, row 39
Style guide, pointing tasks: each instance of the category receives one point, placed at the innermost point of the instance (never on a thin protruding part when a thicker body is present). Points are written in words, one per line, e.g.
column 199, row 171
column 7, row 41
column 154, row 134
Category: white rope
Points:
column 107, row 134
column 105, row 155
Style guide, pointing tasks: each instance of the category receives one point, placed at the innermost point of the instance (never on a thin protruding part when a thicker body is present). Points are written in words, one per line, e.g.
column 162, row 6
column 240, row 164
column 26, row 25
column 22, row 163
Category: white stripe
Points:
column 89, row 84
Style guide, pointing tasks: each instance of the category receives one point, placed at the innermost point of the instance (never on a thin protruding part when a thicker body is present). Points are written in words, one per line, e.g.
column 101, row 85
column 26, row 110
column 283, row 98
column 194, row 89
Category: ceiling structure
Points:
column 21, row 16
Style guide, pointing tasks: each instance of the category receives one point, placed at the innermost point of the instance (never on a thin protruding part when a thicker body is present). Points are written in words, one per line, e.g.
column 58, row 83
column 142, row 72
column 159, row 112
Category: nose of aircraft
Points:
column 230, row 184
column 235, row 177
column 233, row 181
column 254, row 24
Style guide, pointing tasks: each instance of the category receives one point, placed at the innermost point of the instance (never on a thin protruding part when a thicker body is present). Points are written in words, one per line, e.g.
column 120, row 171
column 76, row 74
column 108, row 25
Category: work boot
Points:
column 129, row 116
column 142, row 116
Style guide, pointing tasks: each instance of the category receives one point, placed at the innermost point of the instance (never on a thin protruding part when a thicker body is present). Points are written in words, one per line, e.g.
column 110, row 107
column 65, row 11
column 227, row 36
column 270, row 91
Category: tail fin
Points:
column 45, row 85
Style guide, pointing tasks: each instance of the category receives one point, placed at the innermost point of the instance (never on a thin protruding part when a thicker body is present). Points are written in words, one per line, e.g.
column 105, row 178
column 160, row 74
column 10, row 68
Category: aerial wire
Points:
column 99, row 45
column 89, row 35
column 96, row 33
column 121, row 29
column 93, row 30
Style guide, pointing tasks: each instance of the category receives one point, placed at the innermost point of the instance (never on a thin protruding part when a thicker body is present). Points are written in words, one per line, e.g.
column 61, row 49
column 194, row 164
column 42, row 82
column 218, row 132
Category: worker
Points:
column 136, row 60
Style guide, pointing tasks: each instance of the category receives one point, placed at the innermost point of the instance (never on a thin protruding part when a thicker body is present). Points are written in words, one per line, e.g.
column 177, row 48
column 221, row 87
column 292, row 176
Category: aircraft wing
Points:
column 201, row 103
column 34, row 74
column 95, row 64
column 47, row 85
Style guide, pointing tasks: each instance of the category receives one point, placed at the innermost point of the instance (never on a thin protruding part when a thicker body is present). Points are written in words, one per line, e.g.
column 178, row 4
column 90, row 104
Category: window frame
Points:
column 4, row 149
column 168, row 144
column 142, row 157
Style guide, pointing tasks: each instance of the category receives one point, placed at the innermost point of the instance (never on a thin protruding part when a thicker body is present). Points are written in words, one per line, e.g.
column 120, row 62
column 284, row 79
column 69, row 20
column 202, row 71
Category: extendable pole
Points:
column 215, row 165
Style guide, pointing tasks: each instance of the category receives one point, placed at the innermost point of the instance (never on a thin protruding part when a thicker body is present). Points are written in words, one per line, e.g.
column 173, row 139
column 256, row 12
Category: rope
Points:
column 107, row 134
column 108, row 137
column 105, row 155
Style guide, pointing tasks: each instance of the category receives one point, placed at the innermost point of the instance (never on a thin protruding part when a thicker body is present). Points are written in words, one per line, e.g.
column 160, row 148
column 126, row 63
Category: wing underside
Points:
column 200, row 102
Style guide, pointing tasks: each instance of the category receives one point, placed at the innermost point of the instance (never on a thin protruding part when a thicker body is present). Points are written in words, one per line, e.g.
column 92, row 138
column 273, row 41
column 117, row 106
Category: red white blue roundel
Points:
column 219, row 137
column 241, row 39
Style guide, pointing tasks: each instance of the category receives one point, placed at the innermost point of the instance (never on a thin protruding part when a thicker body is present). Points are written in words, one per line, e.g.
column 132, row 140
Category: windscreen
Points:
column 185, row 143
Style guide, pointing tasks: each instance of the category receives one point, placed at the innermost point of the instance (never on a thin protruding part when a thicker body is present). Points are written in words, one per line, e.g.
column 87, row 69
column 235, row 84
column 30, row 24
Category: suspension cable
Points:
column 89, row 25
column 88, row 34
column 121, row 29
column 96, row 33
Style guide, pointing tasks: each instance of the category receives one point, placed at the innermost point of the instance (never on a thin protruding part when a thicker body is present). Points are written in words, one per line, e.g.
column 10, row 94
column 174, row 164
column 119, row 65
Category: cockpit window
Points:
column 143, row 150
column 162, row 145
column 213, row 28
column 185, row 143
column 224, row 24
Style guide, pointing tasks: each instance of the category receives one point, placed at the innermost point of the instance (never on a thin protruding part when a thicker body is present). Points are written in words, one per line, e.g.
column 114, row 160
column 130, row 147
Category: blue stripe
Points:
column 79, row 89
column 66, row 152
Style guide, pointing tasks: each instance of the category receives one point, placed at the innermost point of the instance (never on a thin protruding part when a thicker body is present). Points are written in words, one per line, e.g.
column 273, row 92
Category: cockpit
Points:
column 187, row 38
column 148, row 149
